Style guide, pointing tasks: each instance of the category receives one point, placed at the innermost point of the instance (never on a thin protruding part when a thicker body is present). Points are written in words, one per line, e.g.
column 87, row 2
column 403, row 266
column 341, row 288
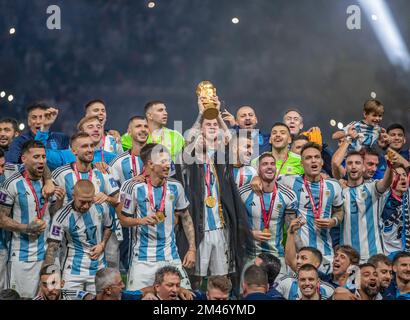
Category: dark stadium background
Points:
column 282, row 53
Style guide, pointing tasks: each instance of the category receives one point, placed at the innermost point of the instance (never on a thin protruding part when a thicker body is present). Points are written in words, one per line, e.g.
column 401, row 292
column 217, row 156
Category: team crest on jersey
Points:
column 364, row 195
column 111, row 148
column 289, row 169
column 171, row 197
column 327, row 193
column 279, row 206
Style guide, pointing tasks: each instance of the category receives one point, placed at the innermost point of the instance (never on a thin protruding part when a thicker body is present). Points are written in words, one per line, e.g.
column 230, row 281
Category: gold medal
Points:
column 160, row 216
column 210, row 202
column 266, row 230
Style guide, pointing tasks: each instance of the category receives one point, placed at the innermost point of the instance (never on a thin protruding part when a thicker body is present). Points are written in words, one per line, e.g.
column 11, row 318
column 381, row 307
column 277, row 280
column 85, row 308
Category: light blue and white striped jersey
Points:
column 212, row 218
column 284, row 202
column 153, row 243
column 17, row 195
column 368, row 135
column 363, row 206
column 111, row 145
column 395, row 222
column 65, row 178
column 289, row 289
column 121, row 167
column 82, row 232
column 9, row 170
column 332, row 197
column 246, row 172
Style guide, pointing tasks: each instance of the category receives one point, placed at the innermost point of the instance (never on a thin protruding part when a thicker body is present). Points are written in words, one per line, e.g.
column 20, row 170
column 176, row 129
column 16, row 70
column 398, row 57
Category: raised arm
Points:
column 337, row 169
column 290, row 248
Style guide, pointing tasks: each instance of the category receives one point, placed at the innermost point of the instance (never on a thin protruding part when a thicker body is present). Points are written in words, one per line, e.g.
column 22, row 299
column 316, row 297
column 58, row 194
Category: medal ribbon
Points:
column 208, row 179
column 267, row 214
column 77, row 174
column 151, row 197
column 102, row 147
column 40, row 212
column 281, row 166
column 316, row 210
column 134, row 164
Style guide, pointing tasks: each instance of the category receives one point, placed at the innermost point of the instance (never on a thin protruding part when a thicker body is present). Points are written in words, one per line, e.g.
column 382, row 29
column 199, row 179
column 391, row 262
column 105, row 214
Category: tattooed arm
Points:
column 97, row 250
column 188, row 225
column 51, row 252
column 9, row 224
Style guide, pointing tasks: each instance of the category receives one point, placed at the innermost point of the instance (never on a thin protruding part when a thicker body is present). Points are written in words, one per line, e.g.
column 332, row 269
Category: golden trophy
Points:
column 207, row 91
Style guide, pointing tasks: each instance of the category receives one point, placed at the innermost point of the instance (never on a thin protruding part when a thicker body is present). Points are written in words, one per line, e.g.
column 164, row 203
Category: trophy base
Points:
column 211, row 113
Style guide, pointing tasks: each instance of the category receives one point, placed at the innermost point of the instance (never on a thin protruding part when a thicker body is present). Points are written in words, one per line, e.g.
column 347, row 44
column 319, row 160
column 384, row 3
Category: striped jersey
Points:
column 368, row 135
column 111, row 145
column 17, row 195
column 363, row 207
column 82, row 232
column 289, row 289
column 212, row 216
column 122, row 169
column 65, row 177
column 153, row 243
column 244, row 175
column 284, row 202
column 332, row 197
column 396, row 224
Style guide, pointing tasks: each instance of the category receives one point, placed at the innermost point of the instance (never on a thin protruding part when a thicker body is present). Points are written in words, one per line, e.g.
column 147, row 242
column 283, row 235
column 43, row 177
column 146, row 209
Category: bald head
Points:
column 83, row 195
column 246, row 118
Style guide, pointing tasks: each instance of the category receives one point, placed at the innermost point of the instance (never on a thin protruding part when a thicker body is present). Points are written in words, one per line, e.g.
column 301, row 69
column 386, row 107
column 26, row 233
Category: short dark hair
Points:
column 365, row 265
column 136, row 118
column 271, row 264
column 91, row 102
column 280, row 124
column 37, row 105
column 370, row 151
column 161, row 272
column 30, row 144
column 292, row 109
column 314, row 251
column 396, row 126
column 401, row 254
column 78, row 135
column 355, row 153
column 146, row 151
column 353, row 255
column 300, row 137
column 255, row 275
column 222, row 283
column 379, row 258
column 12, row 121
column 309, row 267
column 310, row 145
column 49, row 269
column 150, row 104
column 266, row 155
column 9, row 294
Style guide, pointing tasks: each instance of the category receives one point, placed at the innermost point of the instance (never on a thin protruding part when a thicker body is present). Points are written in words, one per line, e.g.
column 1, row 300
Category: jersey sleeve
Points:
column 181, row 201
column 56, row 229
column 129, row 202
column 292, row 202
column 338, row 199
column 110, row 185
column 7, row 196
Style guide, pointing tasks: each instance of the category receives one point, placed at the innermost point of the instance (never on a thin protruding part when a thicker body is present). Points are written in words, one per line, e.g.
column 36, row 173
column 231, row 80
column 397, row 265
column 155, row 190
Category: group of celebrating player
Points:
column 221, row 212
